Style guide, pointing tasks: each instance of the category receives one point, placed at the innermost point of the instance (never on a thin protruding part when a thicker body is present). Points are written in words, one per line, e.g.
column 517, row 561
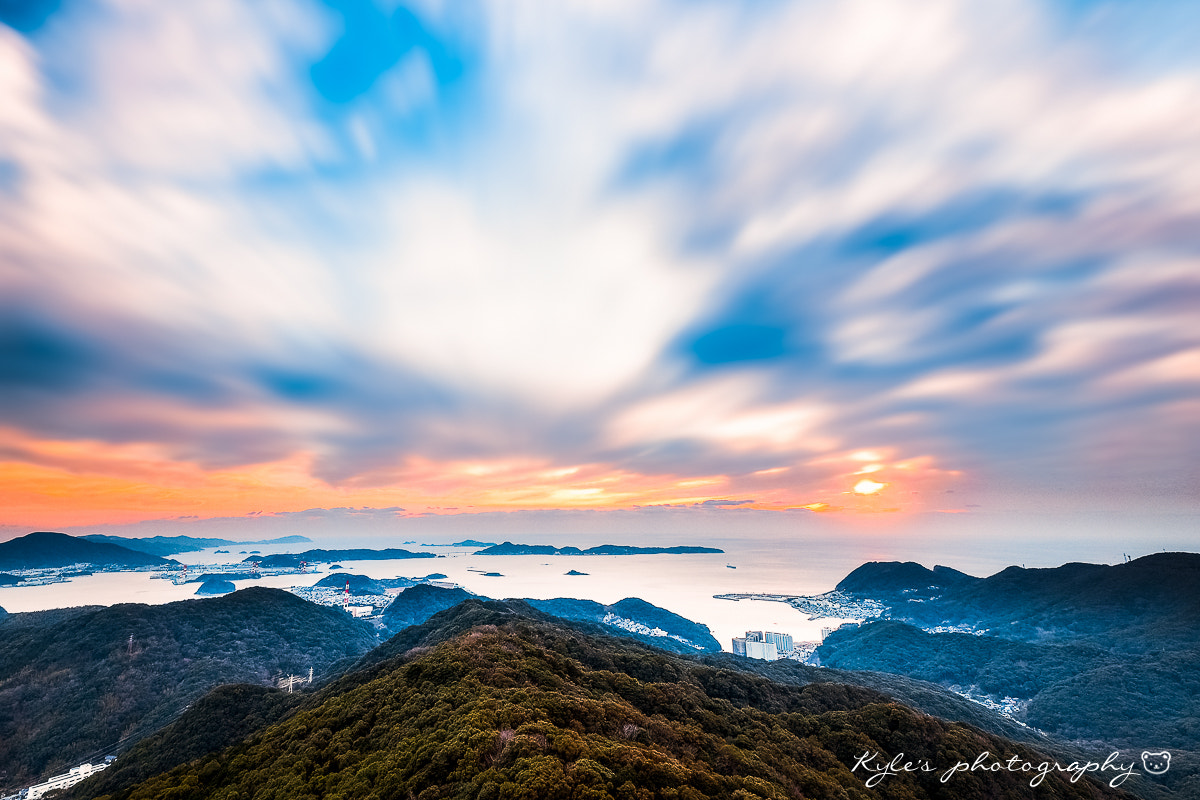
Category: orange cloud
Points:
column 60, row 484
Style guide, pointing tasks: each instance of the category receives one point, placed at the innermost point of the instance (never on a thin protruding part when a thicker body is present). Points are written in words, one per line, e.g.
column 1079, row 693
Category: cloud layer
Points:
column 604, row 254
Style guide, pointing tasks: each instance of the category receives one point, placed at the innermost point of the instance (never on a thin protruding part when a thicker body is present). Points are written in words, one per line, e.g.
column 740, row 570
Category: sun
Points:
column 868, row 486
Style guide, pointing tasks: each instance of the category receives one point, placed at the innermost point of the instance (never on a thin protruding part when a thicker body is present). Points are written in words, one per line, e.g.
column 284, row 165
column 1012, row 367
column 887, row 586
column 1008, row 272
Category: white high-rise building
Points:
column 782, row 641
column 768, row 646
column 767, row 651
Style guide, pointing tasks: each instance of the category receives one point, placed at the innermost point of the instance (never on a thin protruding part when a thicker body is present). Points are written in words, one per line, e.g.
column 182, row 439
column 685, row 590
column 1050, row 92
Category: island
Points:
column 215, row 586
column 510, row 549
column 327, row 556
column 574, row 572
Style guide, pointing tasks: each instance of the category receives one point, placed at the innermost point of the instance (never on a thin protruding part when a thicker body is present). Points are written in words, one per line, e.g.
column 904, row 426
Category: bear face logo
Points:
column 1156, row 763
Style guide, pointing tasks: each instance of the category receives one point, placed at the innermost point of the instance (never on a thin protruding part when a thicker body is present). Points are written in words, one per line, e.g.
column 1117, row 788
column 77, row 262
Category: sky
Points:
column 768, row 261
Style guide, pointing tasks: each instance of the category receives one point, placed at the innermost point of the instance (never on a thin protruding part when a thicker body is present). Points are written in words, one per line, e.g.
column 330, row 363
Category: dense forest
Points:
column 479, row 698
column 73, row 684
column 1128, row 608
column 1148, row 698
column 1100, row 656
column 493, row 700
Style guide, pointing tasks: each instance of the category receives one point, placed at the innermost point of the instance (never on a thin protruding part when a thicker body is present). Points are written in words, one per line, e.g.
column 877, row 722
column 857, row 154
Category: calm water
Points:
column 683, row 584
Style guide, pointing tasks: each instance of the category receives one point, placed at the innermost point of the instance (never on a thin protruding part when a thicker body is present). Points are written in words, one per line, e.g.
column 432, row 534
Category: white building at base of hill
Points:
column 61, row 781
column 767, row 646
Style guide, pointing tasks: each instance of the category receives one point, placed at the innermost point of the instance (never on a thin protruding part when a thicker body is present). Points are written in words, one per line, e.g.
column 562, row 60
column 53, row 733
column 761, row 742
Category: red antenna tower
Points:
column 346, row 595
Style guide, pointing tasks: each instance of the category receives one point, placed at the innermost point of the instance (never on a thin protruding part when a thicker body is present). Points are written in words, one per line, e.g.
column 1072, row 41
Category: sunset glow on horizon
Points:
column 459, row 258
column 94, row 483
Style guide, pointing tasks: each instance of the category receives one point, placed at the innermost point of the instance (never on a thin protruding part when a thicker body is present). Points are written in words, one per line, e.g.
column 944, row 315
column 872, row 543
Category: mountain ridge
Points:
column 489, row 699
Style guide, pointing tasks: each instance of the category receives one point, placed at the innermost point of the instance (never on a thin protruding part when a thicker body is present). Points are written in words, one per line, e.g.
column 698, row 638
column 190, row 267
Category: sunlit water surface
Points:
column 684, row 584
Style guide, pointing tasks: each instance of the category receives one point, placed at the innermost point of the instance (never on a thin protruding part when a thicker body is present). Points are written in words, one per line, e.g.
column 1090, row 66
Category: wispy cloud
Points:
column 615, row 253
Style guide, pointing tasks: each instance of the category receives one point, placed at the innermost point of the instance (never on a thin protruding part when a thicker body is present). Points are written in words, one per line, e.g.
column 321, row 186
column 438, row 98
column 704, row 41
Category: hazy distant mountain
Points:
column 45, row 549
column 75, row 682
column 170, row 545
column 494, row 699
column 510, row 549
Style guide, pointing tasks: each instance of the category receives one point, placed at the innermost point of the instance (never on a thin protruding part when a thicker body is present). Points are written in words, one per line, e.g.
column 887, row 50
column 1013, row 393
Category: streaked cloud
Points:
column 293, row 255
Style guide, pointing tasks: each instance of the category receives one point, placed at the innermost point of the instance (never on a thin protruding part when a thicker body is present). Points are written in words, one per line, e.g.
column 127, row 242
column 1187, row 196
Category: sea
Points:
column 684, row 584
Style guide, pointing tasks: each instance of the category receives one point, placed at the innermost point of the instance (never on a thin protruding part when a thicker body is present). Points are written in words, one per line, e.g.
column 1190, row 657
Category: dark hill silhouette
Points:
column 215, row 586
column 359, row 584
column 896, row 576
column 45, row 549
column 418, row 603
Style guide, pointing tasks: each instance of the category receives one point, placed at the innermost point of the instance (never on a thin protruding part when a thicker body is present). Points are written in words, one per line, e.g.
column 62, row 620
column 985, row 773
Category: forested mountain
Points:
column 418, row 603
column 1129, row 607
column 494, row 699
column 1104, row 656
column 73, row 684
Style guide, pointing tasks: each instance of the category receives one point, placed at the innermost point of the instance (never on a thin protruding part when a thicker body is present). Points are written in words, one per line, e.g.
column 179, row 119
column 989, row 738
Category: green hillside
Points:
column 489, row 700
column 77, row 684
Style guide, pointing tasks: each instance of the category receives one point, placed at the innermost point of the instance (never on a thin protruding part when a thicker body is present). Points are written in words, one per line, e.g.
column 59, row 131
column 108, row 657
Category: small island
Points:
column 510, row 549
column 215, row 586
column 574, row 572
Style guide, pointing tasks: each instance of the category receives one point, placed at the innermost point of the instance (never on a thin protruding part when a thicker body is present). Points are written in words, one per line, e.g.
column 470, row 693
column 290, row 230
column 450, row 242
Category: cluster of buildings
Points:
column 771, row 646
column 644, row 630
column 60, row 781
column 1010, row 707
column 765, row 645
column 838, row 605
column 356, row 605
column 363, row 606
